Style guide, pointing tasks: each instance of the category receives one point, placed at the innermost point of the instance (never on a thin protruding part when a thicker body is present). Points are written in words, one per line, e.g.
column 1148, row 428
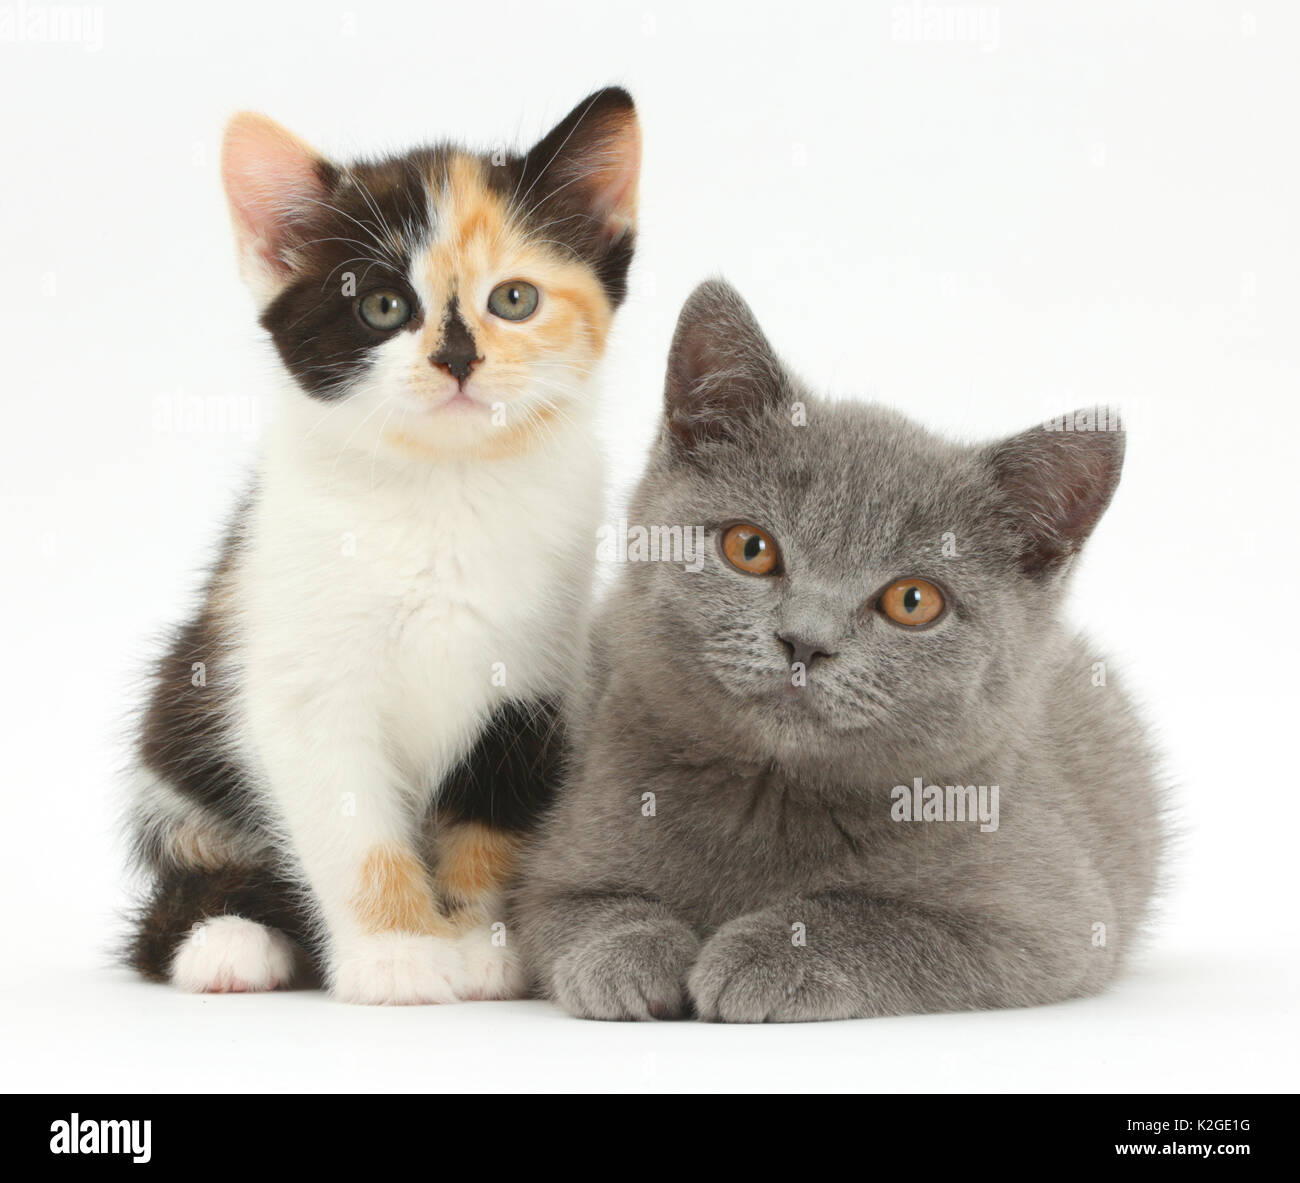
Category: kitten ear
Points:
column 274, row 182
column 593, row 156
column 1058, row 479
column 721, row 368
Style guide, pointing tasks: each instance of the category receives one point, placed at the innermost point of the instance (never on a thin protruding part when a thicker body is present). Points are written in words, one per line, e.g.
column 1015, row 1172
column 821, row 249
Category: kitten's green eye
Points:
column 515, row 300
column 385, row 311
column 911, row 602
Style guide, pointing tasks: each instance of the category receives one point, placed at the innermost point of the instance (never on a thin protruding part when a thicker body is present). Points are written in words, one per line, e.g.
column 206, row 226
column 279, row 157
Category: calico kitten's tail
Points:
column 226, row 929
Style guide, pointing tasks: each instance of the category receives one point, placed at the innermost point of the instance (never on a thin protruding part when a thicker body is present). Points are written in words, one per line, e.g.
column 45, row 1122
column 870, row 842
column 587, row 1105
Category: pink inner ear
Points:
column 269, row 175
column 615, row 182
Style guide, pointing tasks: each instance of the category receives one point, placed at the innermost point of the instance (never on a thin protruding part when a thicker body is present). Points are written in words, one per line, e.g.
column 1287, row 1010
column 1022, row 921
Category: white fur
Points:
column 398, row 969
column 231, row 955
column 366, row 675
column 490, row 970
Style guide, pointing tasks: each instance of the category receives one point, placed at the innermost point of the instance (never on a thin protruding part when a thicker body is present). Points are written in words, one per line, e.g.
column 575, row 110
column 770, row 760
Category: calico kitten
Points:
column 758, row 824
column 343, row 747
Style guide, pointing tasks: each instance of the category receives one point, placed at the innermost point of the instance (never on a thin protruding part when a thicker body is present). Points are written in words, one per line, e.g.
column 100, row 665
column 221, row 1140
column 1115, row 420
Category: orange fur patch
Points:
column 395, row 895
column 474, row 862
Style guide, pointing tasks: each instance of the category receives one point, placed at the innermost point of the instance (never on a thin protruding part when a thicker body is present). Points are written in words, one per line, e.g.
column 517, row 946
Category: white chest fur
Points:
column 412, row 597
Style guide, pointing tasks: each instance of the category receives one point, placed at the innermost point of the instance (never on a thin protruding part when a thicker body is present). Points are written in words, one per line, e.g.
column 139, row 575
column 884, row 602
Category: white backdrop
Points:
column 980, row 214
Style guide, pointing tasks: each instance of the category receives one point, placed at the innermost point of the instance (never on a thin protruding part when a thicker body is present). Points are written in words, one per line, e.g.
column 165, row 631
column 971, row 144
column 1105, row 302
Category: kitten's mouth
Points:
column 791, row 701
column 459, row 403
column 774, row 690
column 811, row 704
column 793, row 693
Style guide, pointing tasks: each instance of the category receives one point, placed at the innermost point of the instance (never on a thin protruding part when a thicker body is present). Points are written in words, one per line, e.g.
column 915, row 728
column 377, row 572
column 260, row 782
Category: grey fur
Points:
column 772, row 806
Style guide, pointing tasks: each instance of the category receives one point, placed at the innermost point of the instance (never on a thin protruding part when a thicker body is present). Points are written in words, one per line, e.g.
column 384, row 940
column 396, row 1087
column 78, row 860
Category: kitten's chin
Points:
column 465, row 426
column 781, row 714
column 789, row 718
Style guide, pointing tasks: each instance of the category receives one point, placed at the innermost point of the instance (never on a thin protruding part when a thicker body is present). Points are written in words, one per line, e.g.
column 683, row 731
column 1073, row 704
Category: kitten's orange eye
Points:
column 911, row 601
column 748, row 549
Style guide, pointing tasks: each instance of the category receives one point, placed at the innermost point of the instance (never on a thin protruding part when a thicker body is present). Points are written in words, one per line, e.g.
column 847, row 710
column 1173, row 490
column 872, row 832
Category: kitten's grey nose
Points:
column 802, row 651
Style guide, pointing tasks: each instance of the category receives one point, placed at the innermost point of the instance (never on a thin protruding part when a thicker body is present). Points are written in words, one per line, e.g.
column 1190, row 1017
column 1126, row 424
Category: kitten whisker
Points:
column 364, row 420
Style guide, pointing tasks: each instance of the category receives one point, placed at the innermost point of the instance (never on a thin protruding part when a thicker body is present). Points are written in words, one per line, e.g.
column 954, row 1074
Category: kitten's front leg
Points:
column 840, row 955
column 610, row 956
column 475, row 862
column 352, row 832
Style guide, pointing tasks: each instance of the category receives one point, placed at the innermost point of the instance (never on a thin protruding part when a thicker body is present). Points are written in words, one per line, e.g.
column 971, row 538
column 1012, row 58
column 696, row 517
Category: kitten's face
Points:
column 852, row 503
column 442, row 303
column 894, row 567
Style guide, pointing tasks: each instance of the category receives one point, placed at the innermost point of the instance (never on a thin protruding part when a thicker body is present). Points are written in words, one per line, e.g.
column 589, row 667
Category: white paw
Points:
column 231, row 955
column 490, row 971
column 397, row 969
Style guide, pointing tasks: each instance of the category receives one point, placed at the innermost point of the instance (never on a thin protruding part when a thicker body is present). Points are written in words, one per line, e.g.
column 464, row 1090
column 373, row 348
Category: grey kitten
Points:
column 855, row 764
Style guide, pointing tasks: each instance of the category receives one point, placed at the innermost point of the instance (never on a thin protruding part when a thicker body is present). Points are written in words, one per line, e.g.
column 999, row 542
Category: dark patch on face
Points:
column 511, row 773
column 457, row 353
column 314, row 322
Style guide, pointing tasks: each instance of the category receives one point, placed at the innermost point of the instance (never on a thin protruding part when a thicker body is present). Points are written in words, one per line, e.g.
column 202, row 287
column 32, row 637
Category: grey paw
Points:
column 633, row 971
column 749, row 971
